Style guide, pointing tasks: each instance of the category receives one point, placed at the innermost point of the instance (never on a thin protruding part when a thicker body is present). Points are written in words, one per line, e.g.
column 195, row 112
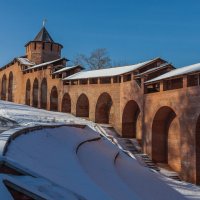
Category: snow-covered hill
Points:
column 71, row 162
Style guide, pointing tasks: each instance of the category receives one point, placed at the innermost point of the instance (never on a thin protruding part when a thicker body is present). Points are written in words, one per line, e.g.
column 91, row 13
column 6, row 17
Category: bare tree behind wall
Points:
column 119, row 63
column 98, row 59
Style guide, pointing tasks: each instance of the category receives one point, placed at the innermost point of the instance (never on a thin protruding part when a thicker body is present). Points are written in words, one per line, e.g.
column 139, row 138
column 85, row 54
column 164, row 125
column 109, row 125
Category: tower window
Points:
column 35, row 45
column 43, row 45
column 51, row 47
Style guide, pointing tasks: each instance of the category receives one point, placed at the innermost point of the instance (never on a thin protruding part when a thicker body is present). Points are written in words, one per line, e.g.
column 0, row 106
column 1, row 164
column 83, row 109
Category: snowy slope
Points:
column 38, row 186
column 65, row 156
column 79, row 161
column 26, row 115
column 51, row 153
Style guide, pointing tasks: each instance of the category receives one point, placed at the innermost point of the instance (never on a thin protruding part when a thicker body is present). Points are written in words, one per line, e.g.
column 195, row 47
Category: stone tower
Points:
column 43, row 48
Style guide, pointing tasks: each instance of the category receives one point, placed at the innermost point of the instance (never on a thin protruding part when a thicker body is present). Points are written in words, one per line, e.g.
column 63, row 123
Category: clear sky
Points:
column 131, row 30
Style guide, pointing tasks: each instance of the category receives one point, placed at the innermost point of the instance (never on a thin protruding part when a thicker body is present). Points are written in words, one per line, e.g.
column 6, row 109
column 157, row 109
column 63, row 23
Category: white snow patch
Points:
column 44, row 64
column 25, row 61
column 92, row 173
column 39, row 187
column 26, row 115
column 64, row 69
column 107, row 72
column 177, row 72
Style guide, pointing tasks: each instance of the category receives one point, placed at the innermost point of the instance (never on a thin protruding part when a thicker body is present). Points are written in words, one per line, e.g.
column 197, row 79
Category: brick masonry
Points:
column 172, row 114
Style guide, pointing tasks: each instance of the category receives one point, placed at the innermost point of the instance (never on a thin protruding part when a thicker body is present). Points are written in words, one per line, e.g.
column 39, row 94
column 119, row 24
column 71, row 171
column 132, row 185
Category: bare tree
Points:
column 79, row 59
column 98, row 59
column 120, row 63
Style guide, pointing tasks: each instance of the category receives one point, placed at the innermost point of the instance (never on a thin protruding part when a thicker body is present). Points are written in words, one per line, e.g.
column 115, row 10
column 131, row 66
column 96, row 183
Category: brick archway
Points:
column 54, row 99
column 103, row 107
column 10, row 87
column 197, row 148
column 129, row 119
column 66, row 103
column 3, row 87
column 82, row 106
column 28, row 92
column 164, row 142
column 35, row 93
column 43, row 94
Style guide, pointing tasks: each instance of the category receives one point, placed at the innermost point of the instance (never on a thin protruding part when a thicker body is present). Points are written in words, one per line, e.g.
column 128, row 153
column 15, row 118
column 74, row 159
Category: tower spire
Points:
column 44, row 22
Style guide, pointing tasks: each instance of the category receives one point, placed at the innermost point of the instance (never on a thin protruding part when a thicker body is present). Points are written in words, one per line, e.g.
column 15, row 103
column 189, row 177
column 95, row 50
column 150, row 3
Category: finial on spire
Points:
column 44, row 22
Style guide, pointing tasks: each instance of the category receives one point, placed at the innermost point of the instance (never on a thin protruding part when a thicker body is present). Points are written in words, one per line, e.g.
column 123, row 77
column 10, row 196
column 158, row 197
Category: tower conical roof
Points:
column 43, row 36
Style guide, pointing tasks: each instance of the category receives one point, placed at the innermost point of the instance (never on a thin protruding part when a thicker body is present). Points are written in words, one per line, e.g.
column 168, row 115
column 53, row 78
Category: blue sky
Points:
column 131, row 30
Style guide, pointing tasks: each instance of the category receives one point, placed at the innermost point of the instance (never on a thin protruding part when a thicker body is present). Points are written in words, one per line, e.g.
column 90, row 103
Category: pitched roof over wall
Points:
column 177, row 72
column 115, row 71
column 22, row 60
column 162, row 66
column 66, row 69
column 44, row 64
column 25, row 61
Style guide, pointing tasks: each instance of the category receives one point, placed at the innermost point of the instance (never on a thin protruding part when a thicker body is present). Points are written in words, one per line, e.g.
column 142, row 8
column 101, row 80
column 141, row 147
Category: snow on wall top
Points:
column 65, row 69
column 22, row 60
column 164, row 65
column 44, row 64
column 115, row 71
column 177, row 72
column 25, row 61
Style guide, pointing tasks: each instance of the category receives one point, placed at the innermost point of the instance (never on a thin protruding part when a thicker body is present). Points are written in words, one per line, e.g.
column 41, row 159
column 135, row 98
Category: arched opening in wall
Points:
column 43, row 94
column 103, row 107
column 197, row 146
column 10, row 87
column 82, row 106
column 35, row 93
column 66, row 103
column 166, row 138
column 54, row 99
column 28, row 92
column 3, row 87
column 129, row 119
